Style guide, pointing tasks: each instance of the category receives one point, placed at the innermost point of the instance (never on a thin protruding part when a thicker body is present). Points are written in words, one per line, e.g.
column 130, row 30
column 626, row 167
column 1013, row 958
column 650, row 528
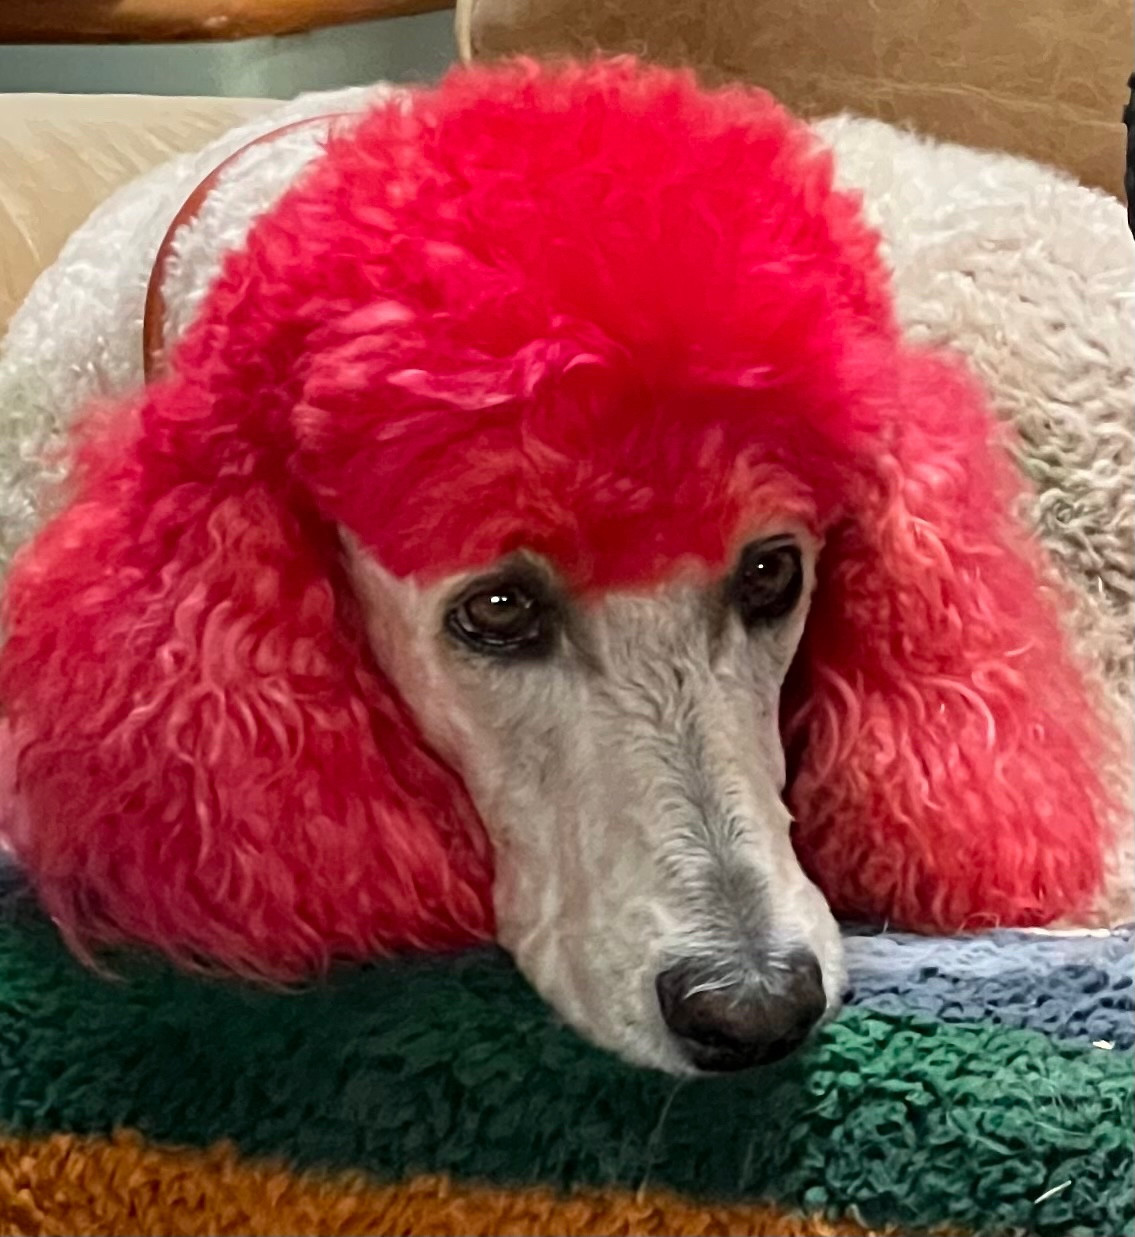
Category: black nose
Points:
column 733, row 1025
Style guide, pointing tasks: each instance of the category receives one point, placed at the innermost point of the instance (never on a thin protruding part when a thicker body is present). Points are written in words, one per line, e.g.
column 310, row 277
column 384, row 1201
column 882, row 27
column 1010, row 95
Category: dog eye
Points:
column 768, row 582
column 504, row 617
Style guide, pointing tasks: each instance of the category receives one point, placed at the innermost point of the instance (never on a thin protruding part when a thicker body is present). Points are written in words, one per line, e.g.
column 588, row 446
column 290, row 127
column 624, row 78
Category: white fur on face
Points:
column 630, row 780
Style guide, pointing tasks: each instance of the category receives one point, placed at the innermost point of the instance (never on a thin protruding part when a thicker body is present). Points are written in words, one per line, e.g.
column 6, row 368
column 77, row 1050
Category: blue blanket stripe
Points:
column 1078, row 988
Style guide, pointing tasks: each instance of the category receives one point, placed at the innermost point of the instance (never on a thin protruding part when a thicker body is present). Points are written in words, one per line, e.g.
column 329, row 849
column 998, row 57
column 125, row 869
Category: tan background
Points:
column 61, row 155
column 1044, row 78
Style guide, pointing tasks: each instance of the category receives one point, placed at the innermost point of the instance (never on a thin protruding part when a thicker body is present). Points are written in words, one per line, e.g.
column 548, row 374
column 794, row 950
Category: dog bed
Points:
column 972, row 1085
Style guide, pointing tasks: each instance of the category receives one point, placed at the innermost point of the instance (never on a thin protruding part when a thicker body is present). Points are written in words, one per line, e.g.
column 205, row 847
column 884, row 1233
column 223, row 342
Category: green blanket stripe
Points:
column 455, row 1066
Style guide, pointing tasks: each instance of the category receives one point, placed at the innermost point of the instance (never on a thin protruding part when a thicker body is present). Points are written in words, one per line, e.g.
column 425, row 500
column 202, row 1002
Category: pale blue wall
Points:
column 400, row 49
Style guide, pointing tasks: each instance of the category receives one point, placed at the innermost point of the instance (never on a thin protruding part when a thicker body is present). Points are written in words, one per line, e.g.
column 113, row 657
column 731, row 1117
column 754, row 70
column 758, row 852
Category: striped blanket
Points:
column 977, row 1085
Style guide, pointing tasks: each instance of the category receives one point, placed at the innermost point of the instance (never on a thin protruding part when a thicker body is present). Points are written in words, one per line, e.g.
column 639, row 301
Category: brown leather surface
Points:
column 61, row 155
column 1043, row 79
column 163, row 21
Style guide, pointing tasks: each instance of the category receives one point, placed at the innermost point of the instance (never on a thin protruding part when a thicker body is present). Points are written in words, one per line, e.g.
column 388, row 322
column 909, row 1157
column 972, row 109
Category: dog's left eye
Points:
column 504, row 617
column 768, row 581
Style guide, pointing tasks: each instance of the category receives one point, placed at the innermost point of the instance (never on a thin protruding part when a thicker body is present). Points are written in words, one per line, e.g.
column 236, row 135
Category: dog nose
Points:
column 731, row 1026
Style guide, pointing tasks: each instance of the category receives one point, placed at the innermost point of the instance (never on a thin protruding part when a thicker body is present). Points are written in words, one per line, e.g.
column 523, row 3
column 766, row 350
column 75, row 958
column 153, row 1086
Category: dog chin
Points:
column 657, row 1052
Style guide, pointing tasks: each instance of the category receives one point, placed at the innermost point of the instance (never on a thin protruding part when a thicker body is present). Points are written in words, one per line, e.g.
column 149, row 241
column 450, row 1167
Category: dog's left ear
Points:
column 951, row 761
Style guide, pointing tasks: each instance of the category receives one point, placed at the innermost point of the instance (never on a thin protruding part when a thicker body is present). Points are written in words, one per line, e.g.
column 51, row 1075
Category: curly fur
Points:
column 591, row 311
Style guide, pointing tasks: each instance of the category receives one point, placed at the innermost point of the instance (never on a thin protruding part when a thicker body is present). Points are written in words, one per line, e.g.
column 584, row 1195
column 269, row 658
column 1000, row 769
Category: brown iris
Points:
column 502, row 616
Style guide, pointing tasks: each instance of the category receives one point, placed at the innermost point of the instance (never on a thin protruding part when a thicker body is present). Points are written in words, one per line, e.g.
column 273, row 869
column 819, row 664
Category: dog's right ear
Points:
column 203, row 755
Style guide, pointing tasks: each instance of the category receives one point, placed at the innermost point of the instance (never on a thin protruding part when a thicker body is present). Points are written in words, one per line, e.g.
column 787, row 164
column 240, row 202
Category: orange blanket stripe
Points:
column 63, row 1184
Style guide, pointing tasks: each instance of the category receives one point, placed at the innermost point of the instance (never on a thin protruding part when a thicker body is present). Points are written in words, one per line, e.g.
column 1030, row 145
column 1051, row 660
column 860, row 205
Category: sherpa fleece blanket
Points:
column 977, row 1085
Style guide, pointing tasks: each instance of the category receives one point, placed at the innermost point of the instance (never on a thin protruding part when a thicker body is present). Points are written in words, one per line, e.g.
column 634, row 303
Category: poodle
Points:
column 544, row 528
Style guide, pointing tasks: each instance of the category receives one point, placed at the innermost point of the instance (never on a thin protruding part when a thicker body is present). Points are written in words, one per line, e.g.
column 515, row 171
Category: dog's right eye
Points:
column 502, row 618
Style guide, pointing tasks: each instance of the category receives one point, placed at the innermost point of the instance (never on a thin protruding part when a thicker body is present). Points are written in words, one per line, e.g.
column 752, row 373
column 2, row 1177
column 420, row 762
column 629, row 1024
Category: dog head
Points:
column 543, row 469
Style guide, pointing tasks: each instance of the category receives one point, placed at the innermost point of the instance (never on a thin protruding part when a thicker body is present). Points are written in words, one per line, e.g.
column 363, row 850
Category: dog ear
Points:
column 204, row 756
column 950, row 752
